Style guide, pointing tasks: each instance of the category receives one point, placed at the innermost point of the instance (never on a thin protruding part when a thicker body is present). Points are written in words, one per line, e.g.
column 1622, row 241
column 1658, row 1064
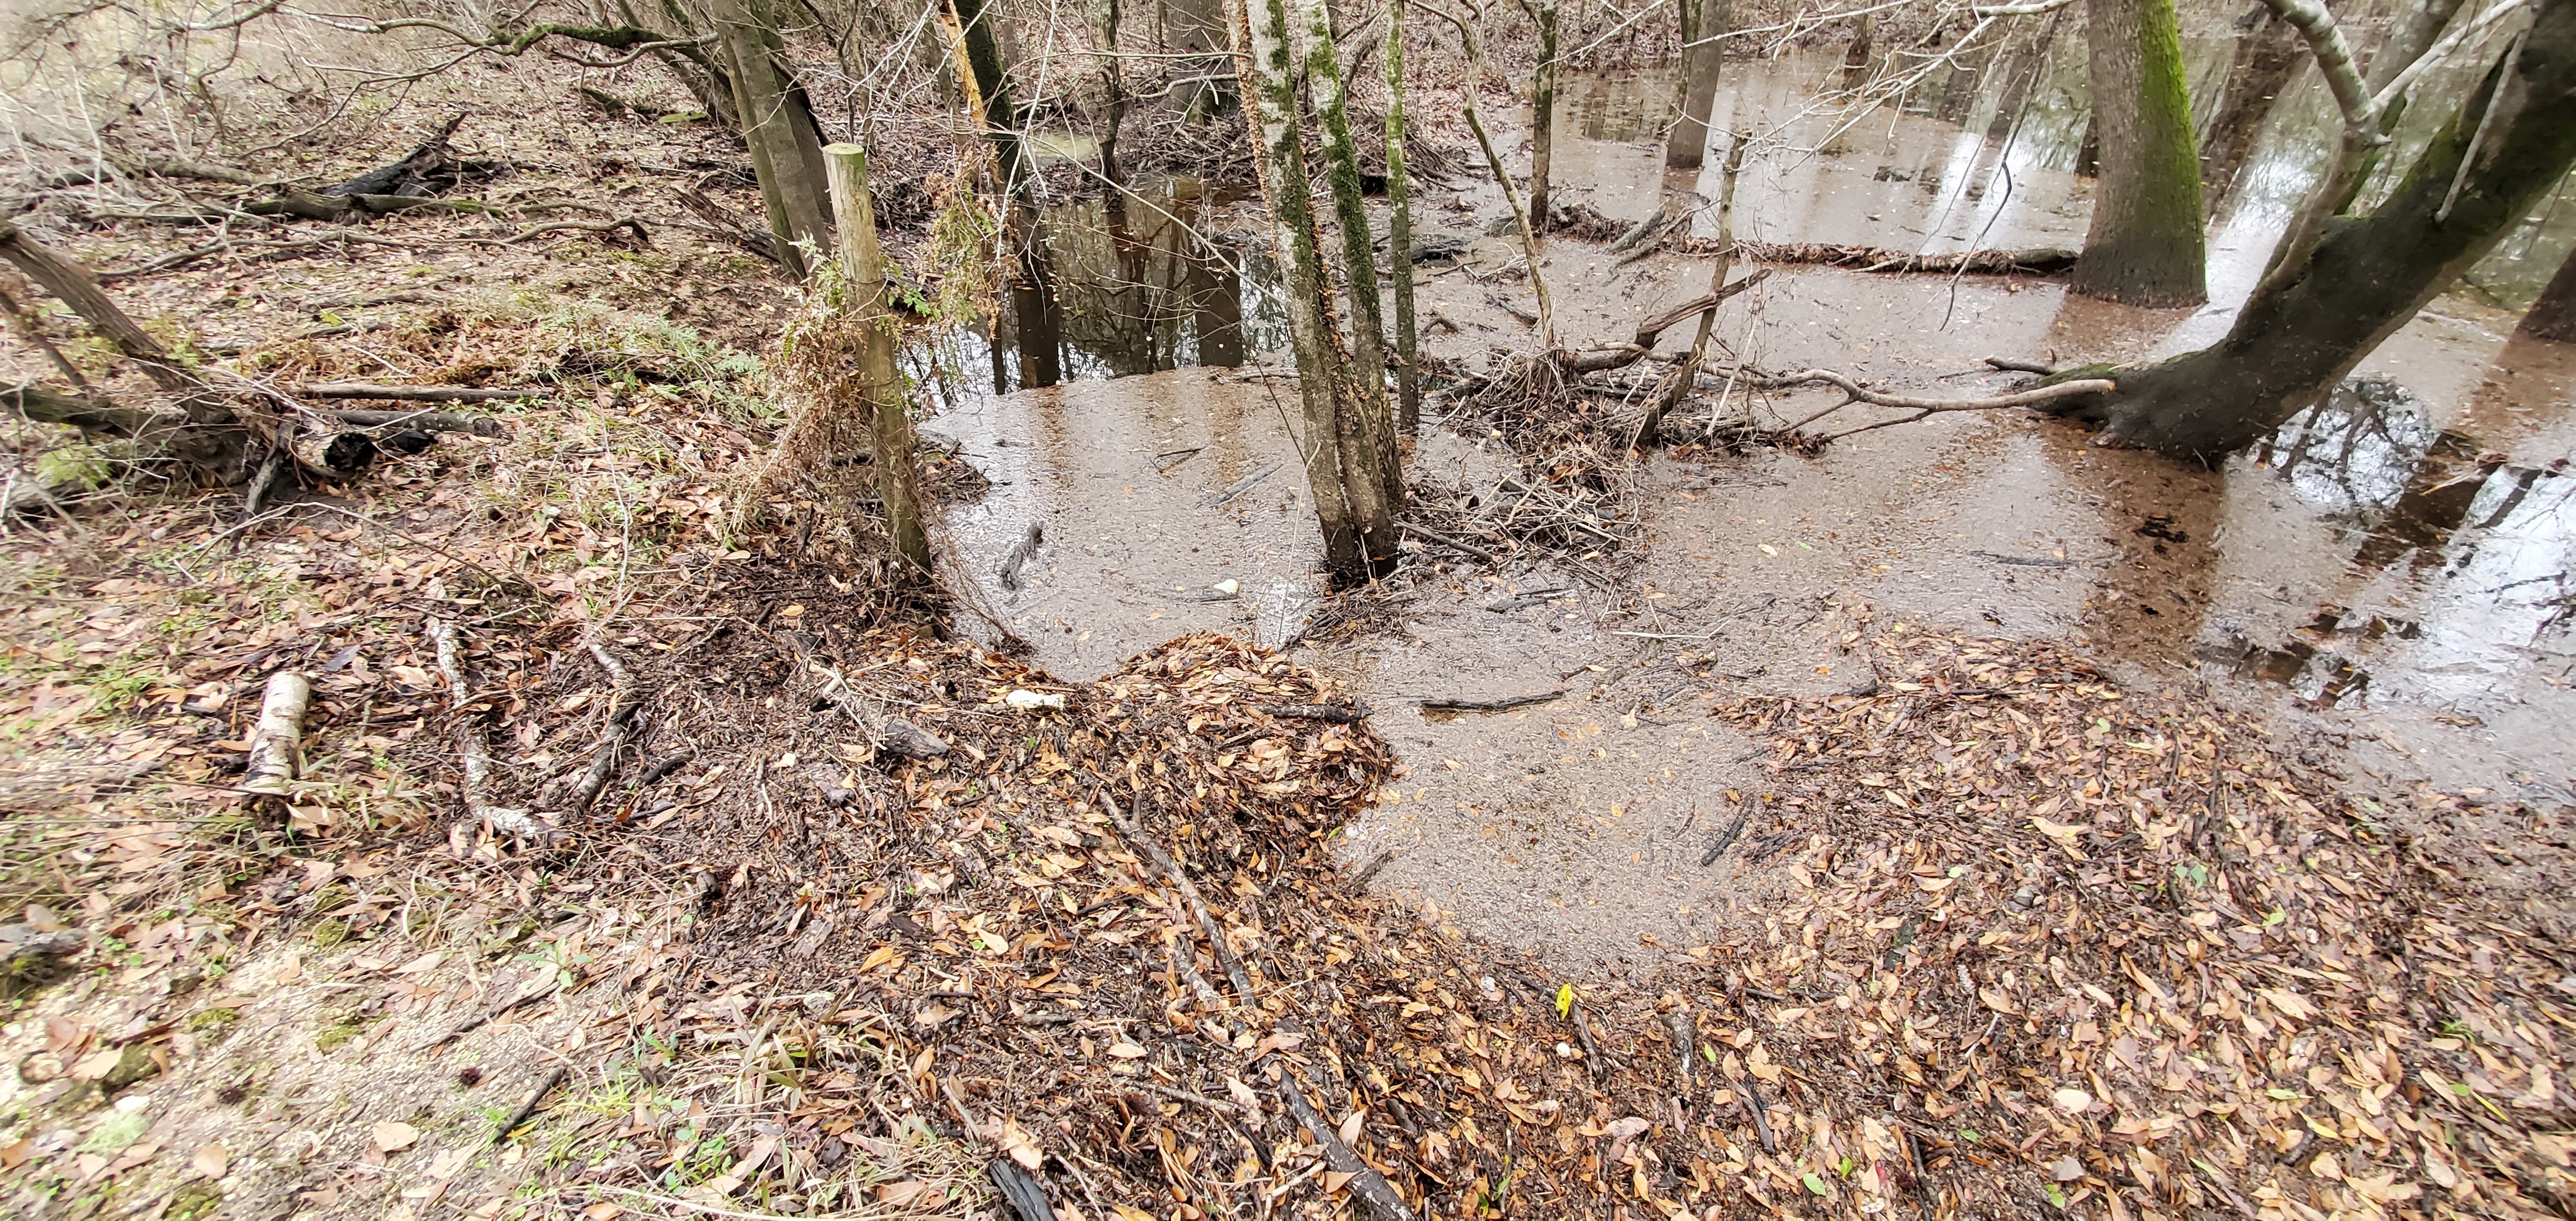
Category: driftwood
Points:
column 276, row 746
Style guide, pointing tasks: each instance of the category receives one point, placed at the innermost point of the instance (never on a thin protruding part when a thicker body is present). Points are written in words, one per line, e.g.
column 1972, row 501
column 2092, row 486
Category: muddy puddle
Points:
column 2394, row 565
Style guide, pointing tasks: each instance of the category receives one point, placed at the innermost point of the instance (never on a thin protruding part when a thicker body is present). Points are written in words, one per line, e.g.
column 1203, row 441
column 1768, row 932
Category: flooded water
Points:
column 2394, row 565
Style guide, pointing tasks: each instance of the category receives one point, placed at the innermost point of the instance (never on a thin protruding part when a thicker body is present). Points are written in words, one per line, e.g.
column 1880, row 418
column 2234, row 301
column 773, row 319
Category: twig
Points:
column 1761, row 1121
column 529, row 1107
column 1366, row 1182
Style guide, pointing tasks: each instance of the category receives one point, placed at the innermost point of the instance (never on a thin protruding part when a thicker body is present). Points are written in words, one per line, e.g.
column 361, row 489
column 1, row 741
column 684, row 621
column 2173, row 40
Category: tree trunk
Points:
column 786, row 152
column 1678, row 383
column 1357, row 522
column 1375, row 432
column 1399, row 234
column 988, row 89
column 2144, row 246
column 205, row 433
column 889, row 417
column 2264, row 63
column 2297, row 338
column 1113, row 81
column 2553, row 316
column 1863, row 48
column 1703, row 58
column 1543, row 113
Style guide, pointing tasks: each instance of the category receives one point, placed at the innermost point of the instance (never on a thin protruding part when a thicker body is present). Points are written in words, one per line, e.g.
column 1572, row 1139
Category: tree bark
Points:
column 2144, row 246
column 1543, row 113
column 2298, row 337
column 786, row 149
column 1399, row 234
column 1113, row 83
column 1374, row 434
column 1357, row 523
column 889, row 417
column 1703, row 58
column 2553, row 316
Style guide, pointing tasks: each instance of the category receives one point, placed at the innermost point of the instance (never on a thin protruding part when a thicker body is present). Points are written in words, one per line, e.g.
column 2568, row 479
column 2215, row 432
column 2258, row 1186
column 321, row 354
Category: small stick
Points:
column 1725, row 838
column 1316, row 712
column 1366, row 1182
column 529, row 1107
column 1761, row 1121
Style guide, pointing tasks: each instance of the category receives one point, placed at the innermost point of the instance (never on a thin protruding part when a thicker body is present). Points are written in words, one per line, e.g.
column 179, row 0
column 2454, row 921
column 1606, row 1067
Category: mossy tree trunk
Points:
column 1703, row 58
column 1399, row 234
column 2304, row 330
column 863, row 261
column 1331, row 98
column 1543, row 113
column 1351, row 507
column 2144, row 245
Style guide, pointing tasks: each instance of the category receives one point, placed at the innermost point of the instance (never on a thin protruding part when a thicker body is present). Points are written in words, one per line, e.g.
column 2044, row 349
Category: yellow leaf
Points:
column 1126, row 1051
column 881, row 956
column 394, row 1137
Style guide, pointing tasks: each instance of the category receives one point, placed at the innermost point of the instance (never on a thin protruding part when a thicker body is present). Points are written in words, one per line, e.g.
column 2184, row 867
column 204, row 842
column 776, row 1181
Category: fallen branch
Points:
column 474, row 754
column 1365, row 1181
column 425, row 421
column 276, row 746
column 529, row 1107
column 2035, row 261
column 1650, row 329
column 622, row 706
column 1854, row 392
column 1439, row 703
column 410, row 394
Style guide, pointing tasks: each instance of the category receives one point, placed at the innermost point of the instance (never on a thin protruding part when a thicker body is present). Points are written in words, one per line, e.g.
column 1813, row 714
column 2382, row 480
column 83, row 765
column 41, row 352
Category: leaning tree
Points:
column 2318, row 313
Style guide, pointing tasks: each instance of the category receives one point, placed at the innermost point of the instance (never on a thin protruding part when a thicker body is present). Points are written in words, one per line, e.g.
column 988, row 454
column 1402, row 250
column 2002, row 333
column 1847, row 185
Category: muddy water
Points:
column 2395, row 565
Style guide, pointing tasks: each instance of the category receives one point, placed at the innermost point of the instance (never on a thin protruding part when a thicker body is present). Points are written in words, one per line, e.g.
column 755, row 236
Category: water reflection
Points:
column 1125, row 286
column 1984, row 150
column 2456, row 586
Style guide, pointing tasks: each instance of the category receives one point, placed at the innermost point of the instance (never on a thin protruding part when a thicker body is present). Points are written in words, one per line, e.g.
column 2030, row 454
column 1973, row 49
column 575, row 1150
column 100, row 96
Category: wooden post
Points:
column 863, row 261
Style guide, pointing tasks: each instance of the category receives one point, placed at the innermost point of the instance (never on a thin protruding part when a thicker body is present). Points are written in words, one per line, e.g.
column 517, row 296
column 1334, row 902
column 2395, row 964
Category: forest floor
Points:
column 2014, row 930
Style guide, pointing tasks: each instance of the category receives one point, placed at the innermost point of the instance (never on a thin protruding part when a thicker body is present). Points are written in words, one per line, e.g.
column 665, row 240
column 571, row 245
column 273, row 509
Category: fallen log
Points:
column 277, row 745
column 2035, row 261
